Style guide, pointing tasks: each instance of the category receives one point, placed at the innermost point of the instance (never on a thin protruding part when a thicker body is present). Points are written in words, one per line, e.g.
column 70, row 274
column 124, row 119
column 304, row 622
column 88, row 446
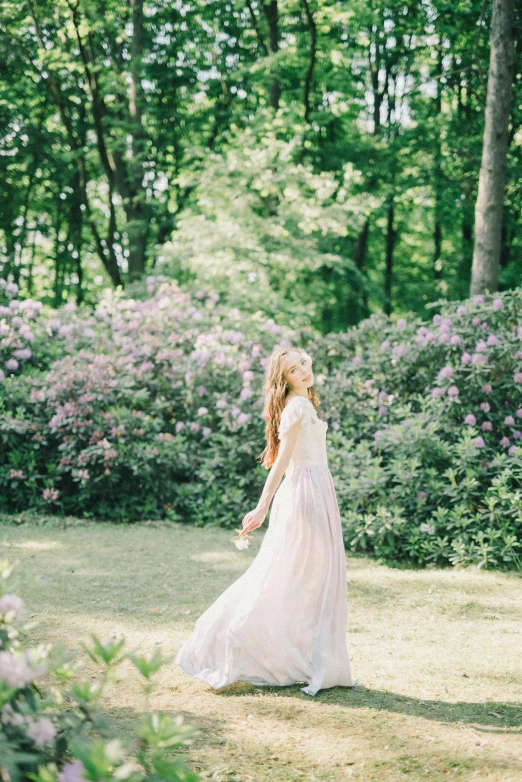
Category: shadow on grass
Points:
column 208, row 730
column 491, row 716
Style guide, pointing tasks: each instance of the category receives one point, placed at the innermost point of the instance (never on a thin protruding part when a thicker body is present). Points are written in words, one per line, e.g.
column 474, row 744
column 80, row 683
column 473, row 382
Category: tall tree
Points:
column 490, row 199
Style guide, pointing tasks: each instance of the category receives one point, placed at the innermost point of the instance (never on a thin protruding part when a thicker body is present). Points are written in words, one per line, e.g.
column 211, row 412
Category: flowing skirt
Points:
column 284, row 620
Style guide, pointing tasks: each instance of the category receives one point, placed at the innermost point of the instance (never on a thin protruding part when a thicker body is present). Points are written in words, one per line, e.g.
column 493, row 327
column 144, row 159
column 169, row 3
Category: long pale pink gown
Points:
column 284, row 621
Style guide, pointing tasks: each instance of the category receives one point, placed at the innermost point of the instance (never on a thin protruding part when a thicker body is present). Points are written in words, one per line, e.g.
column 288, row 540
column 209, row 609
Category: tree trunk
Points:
column 437, row 173
column 361, row 248
column 490, row 199
column 390, row 242
column 134, row 203
column 272, row 19
column 311, row 62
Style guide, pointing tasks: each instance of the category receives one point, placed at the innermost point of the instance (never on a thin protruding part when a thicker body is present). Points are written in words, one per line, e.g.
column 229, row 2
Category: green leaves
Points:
column 148, row 667
column 66, row 730
column 108, row 654
column 162, row 731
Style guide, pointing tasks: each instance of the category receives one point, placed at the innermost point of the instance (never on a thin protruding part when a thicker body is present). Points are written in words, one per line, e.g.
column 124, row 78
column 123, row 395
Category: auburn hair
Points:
column 275, row 390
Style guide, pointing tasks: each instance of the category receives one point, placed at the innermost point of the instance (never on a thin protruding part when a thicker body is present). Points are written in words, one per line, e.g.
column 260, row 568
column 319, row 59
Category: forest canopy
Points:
column 312, row 149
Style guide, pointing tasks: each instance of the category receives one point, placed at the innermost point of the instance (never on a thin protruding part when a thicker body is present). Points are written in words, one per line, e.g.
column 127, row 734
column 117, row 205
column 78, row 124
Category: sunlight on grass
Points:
column 438, row 653
column 37, row 545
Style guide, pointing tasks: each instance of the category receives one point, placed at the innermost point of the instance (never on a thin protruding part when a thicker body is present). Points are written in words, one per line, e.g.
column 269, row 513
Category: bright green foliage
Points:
column 53, row 728
column 121, row 124
column 161, row 417
column 427, row 424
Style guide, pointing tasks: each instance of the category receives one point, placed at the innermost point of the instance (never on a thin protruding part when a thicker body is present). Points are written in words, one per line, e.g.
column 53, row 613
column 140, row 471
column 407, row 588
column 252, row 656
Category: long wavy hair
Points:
column 275, row 389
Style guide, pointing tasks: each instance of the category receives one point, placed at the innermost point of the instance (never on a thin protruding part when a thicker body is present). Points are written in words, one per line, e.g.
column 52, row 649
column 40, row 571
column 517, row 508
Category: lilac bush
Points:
column 52, row 724
column 151, row 407
column 159, row 416
column 438, row 476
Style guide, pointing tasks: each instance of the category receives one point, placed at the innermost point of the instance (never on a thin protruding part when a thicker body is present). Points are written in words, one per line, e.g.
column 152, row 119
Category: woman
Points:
column 284, row 620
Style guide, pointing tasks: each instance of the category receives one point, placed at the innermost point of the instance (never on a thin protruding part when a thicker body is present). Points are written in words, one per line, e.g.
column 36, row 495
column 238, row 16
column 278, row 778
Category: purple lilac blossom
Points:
column 465, row 358
column 11, row 717
column 509, row 420
column 513, row 450
column 486, row 389
column 470, row 419
column 453, row 392
column 445, row 372
column 15, row 670
column 24, row 354
column 436, row 393
column 517, row 377
column 498, row 304
column 41, row 731
column 505, row 442
column 487, row 426
column 455, row 340
column 517, row 435
column 12, row 603
column 485, row 406
column 478, row 442
column 72, row 772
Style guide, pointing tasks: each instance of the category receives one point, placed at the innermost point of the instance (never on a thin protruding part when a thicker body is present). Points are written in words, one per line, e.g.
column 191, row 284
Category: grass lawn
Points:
column 439, row 653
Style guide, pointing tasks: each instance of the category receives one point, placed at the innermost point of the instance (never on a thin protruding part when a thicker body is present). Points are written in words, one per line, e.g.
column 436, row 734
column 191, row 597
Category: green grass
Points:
column 439, row 653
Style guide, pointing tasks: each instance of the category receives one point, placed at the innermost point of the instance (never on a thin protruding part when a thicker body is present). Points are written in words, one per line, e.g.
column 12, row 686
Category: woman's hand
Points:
column 253, row 520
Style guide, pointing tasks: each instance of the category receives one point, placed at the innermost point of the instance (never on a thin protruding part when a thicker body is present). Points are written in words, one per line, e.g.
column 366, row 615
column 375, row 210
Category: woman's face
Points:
column 298, row 371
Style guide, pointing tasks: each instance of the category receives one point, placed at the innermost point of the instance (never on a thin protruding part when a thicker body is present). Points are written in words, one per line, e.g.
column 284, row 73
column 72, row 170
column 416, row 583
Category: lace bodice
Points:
column 310, row 446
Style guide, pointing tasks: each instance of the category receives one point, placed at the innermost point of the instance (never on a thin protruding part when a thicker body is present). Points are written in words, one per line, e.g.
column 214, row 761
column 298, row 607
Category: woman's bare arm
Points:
column 255, row 518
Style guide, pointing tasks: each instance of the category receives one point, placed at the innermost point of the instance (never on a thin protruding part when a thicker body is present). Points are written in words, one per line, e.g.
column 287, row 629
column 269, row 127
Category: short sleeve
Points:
column 299, row 409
